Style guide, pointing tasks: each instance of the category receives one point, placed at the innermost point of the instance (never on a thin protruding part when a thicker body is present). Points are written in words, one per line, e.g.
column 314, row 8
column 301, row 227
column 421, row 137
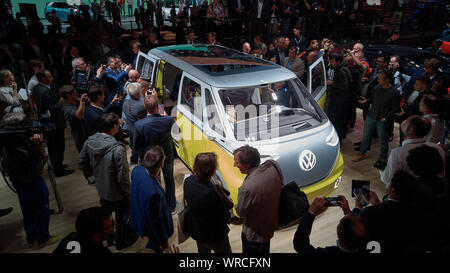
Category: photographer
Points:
column 82, row 76
column 116, row 72
column 95, row 109
column 393, row 221
column 22, row 152
column 133, row 110
column 74, row 113
column 351, row 231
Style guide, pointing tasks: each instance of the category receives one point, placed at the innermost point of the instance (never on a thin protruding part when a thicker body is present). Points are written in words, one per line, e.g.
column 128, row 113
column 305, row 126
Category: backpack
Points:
column 293, row 203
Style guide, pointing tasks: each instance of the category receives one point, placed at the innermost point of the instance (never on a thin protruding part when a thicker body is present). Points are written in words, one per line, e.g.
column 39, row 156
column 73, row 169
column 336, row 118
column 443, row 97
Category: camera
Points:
column 149, row 92
column 333, row 201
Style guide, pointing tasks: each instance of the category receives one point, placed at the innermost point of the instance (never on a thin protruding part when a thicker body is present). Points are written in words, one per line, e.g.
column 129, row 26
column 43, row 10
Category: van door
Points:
column 146, row 66
column 317, row 84
column 190, row 105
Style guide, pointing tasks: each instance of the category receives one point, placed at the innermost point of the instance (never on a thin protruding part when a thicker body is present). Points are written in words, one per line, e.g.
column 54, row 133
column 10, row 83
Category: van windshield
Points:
column 270, row 111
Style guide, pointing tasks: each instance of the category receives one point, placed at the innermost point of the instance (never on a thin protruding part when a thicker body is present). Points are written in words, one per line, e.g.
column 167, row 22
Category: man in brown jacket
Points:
column 258, row 199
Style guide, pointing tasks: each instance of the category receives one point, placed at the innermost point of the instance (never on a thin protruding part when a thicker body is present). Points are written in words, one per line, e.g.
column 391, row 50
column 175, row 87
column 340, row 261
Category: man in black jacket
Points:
column 299, row 40
column 24, row 162
column 46, row 101
column 351, row 231
column 338, row 93
column 384, row 104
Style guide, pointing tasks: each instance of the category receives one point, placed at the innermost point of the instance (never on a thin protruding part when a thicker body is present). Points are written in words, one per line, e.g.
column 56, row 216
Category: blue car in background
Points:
column 62, row 10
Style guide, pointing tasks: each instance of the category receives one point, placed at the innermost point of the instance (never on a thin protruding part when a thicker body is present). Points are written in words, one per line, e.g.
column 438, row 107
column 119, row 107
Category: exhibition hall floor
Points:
column 77, row 195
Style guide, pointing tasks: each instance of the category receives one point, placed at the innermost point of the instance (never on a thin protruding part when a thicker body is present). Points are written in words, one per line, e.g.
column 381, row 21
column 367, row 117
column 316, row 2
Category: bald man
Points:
column 133, row 76
column 246, row 48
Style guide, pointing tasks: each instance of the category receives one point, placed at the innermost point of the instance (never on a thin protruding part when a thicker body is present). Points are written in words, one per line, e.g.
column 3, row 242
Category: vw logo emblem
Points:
column 307, row 160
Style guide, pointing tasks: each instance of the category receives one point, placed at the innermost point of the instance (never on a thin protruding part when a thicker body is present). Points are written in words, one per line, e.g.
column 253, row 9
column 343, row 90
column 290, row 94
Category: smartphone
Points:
column 362, row 186
column 161, row 109
column 333, row 201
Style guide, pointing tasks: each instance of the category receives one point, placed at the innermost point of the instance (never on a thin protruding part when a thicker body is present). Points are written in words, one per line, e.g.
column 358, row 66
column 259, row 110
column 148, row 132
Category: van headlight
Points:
column 337, row 182
column 332, row 139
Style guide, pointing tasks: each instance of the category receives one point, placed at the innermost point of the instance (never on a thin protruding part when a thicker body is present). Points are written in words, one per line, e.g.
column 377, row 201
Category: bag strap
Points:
column 275, row 166
column 222, row 195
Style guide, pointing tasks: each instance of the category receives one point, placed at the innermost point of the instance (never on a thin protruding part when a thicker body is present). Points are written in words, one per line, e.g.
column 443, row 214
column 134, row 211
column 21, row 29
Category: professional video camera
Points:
column 25, row 129
column 15, row 141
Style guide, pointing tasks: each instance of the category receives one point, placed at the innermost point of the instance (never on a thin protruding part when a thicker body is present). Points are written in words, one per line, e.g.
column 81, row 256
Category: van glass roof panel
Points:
column 216, row 60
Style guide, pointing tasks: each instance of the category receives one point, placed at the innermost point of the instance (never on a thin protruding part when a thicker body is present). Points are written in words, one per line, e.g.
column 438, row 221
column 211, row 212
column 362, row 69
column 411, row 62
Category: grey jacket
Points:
column 105, row 158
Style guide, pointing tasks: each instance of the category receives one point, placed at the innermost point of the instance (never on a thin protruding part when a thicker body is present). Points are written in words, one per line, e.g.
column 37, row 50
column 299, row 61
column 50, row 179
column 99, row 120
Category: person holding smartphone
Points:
column 393, row 222
column 351, row 231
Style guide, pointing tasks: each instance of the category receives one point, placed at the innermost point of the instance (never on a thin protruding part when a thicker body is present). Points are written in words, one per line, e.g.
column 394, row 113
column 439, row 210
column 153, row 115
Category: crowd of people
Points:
column 87, row 78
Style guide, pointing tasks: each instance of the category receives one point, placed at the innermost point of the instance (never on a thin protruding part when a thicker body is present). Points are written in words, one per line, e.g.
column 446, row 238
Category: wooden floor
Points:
column 77, row 195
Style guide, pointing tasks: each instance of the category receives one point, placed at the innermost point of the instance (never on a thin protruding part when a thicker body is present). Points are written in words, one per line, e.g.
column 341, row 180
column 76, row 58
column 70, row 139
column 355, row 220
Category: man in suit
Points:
column 46, row 101
column 153, row 130
column 259, row 16
column 191, row 37
column 294, row 64
column 351, row 231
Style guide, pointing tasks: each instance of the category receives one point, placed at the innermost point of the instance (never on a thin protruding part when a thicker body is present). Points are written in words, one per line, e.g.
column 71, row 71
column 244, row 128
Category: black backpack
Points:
column 293, row 203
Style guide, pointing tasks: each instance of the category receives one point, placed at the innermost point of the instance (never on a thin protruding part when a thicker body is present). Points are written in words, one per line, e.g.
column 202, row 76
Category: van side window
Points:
column 191, row 97
column 213, row 115
column 171, row 81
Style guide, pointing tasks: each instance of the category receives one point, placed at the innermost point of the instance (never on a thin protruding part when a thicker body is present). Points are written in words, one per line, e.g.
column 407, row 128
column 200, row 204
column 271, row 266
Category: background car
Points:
column 63, row 9
column 167, row 6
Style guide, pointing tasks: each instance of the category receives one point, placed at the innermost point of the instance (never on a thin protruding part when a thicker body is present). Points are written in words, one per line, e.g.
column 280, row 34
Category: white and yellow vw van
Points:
column 224, row 99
